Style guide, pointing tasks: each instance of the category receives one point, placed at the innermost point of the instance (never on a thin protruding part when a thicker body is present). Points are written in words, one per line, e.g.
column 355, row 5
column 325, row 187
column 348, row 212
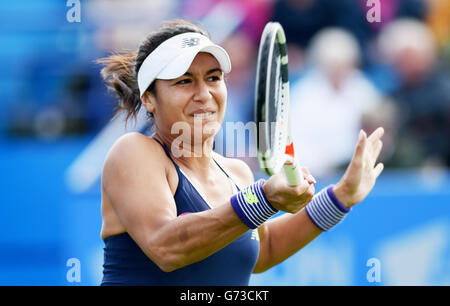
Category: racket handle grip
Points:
column 292, row 172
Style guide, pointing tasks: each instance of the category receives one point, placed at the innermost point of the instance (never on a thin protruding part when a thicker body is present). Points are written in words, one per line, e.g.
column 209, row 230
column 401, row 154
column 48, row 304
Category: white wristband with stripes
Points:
column 325, row 210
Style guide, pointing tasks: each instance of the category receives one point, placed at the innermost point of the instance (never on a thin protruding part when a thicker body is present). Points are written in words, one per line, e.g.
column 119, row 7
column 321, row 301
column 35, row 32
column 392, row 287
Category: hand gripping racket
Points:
column 274, row 142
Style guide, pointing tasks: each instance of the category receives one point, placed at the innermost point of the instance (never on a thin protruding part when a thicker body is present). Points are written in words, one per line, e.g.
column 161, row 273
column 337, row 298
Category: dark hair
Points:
column 120, row 70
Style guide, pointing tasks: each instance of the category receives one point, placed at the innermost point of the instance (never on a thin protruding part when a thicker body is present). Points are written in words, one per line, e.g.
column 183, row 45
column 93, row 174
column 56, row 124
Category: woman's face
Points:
column 195, row 101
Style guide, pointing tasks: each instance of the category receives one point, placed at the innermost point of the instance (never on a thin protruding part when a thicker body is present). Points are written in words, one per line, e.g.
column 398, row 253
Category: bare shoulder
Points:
column 239, row 170
column 133, row 151
column 133, row 139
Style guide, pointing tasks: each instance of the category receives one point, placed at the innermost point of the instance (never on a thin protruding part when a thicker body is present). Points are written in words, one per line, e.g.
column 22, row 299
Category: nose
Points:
column 202, row 92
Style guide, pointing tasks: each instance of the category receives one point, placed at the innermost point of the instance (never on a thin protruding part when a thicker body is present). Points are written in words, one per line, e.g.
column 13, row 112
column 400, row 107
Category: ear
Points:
column 149, row 101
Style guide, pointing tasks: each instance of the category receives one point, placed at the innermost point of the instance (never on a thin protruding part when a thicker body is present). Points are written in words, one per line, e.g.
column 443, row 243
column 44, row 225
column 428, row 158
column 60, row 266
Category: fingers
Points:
column 304, row 185
column 304, row 199
column 301, row 188
column 308, row 176
column 288, row 198
column 311, row 191
column 377, row 150
column 309, row 194
column 307, row 185
column 376, row 135
column 359, row 151
column 378, row 169
column 375, row 145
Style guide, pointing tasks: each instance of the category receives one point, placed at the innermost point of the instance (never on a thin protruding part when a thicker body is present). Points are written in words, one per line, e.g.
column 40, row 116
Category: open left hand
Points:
column 361, row 174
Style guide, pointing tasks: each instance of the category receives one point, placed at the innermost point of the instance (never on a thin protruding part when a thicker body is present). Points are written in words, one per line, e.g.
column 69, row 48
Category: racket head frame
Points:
column 271, row 158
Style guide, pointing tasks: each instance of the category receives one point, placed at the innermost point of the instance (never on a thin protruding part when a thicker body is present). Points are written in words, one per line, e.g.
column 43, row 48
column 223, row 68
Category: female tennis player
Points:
column 174, row 217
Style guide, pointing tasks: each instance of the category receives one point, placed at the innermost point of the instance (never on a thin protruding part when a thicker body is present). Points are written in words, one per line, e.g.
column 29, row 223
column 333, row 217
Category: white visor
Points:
column 173, row 57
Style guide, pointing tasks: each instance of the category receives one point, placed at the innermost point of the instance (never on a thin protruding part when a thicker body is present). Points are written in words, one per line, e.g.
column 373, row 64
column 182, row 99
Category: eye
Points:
column 214, row 78
column 183, row 81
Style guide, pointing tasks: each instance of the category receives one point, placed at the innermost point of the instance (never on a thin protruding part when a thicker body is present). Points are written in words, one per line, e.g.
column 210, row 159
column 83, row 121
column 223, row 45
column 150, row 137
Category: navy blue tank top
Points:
column 126, row 264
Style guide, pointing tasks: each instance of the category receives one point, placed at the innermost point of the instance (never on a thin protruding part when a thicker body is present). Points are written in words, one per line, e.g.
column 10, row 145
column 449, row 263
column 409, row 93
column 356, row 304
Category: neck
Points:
column 195, row 156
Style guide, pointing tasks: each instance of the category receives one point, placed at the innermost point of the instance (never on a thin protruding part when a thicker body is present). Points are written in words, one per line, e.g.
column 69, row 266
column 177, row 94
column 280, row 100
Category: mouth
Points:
column 202, row 114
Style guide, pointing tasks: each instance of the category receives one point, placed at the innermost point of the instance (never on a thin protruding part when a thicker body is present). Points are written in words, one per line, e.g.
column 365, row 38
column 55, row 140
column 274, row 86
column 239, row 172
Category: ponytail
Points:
column 119, row 75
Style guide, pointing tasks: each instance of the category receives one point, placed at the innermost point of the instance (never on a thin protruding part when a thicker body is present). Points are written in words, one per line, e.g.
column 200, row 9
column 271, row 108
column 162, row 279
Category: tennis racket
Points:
column 274, row 142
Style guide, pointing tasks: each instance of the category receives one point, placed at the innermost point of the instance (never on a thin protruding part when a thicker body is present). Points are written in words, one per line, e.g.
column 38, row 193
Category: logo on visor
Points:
column 190, row 42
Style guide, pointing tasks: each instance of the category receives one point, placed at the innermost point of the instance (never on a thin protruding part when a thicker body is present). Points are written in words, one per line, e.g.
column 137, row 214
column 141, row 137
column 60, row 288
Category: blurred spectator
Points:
column 423, row 98
column 120, row 25
column 54, row 97
column 240, row 86
column 254, row 13
column 302, row 19
column 438, row 20
column 243, row 55
column 329, row 102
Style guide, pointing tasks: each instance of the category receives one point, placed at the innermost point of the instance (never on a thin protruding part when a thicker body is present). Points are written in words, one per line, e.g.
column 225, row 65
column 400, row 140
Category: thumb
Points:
column 360, row 147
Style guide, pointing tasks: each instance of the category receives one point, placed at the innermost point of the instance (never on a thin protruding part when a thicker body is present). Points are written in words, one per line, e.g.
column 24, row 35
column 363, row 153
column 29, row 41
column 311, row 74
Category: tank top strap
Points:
column 233, row 184
column 180, row 174
column 168, row 155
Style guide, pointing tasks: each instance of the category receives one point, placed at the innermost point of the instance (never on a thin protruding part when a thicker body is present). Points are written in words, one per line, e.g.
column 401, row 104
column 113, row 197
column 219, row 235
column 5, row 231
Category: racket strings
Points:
column 271, row 100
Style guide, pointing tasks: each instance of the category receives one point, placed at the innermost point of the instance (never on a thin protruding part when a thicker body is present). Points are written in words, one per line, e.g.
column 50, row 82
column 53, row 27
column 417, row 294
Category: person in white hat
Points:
column 175, row 212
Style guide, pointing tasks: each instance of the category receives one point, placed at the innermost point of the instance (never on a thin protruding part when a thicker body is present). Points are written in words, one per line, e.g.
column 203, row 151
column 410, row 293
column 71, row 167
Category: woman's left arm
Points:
column 284, row 236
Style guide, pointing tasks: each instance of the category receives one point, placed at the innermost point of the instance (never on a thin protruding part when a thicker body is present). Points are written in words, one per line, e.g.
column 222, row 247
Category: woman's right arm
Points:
column 135, row 180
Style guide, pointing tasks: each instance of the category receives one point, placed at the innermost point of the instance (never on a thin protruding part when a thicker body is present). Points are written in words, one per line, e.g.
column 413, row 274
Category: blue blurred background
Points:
column 348, row 69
